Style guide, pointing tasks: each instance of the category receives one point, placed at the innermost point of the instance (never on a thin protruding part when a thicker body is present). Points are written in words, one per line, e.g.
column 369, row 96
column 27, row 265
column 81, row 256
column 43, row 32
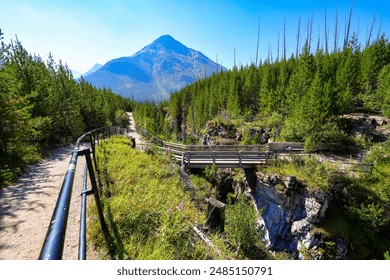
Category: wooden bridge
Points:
column 227, row 156
column 224, row 159
column 222, row 156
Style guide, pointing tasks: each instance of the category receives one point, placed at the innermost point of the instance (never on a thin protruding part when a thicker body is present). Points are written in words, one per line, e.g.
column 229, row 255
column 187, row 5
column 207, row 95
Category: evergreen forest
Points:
column 42, row 106
column 300, row 98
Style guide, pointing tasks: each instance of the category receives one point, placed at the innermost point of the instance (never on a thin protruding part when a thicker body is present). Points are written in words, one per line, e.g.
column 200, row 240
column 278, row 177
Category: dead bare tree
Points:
column 298, row 37
column 258, row 38
column 336, row 32
column 277, row 58
column 284, row 39
column 309, row 32
column 348, row 26
column 217, row 63
column 319, row 39
column 270, row 58
column 326, row 32
column 371, row 29
column 234, row 53
column 379, row 31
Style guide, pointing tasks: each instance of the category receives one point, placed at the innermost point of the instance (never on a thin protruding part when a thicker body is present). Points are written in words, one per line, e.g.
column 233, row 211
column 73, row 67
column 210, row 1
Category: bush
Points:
column 121, row 119
column 211, row 174
column 371, row 215
column 241, row 229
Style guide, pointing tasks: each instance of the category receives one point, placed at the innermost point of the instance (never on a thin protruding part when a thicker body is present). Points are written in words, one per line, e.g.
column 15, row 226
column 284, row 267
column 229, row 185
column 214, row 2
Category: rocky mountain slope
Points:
column 154, row 72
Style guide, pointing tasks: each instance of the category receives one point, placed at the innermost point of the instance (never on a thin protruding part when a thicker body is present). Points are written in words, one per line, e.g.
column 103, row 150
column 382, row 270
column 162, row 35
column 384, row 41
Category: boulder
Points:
column 289, row 215
column 290, row 182
column 381, row 122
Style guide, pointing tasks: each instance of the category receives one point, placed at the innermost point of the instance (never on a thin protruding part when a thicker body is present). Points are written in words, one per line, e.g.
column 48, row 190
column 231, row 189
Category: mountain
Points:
column 75, row 74
column 96, row 67
column 152, row 73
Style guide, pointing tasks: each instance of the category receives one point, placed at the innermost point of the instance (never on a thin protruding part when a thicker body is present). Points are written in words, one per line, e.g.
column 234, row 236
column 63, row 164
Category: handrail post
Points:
column 95, row 191
column 94, row 157
column 182, row 160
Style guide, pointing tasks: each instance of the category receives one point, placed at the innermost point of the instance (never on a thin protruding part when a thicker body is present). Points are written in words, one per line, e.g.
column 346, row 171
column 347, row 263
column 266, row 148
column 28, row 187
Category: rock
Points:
column 290, row 181
column 341, row 248
column 381, row 122
column 358, row 115
column 288, row 217
column 274, row 179
column 373, row 122
column 315, row 208
column 300, row 227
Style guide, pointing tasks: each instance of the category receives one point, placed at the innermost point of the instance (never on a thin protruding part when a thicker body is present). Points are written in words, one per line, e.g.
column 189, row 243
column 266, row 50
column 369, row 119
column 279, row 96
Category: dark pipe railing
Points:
column 53, row 245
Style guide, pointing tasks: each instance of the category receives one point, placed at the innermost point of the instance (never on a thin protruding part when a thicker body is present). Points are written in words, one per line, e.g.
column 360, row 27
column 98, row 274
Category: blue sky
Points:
column 82, row 33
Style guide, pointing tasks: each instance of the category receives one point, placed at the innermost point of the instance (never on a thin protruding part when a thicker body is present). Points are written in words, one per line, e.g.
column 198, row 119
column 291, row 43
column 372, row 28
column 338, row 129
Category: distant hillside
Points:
column 76, row 74
column 95, row 68
column 154, row 72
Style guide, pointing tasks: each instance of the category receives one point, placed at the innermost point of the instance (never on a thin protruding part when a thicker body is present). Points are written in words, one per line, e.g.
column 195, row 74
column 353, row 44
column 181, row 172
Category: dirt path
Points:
column 139, row 142
column 26, row 208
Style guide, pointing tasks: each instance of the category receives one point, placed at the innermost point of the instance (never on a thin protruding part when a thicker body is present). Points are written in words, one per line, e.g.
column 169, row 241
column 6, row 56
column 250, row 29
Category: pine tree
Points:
column 384, row 90
column 233, row 103
column 374, row 58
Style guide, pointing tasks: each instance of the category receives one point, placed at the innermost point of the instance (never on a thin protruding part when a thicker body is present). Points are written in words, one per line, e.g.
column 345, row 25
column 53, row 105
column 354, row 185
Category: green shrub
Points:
column 211, row 174
column 241, row 229
column 308, row 170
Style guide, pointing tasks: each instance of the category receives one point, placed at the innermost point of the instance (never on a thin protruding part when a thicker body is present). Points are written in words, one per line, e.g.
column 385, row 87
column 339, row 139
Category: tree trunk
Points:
column 215, row 215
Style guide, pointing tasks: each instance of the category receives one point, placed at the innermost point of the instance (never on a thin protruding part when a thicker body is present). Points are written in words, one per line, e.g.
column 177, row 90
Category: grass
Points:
column 147, row 207
column 307, row 170
column 149, row 215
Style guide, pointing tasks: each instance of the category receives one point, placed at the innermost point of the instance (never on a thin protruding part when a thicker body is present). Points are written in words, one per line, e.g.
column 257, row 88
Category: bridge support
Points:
column 215, row 215
column 250, row 174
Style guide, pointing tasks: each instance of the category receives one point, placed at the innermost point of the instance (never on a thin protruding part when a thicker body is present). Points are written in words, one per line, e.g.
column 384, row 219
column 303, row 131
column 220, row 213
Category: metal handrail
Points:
column 53, row 245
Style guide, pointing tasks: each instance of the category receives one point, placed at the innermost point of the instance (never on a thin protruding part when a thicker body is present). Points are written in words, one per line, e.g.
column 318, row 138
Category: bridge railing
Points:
column 293, row 147
column 194, row 159
column 53, row 245
column 183, row 148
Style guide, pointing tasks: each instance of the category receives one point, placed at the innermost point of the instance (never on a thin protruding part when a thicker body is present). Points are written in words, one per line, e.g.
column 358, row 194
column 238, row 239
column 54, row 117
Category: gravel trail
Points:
column 26, row 208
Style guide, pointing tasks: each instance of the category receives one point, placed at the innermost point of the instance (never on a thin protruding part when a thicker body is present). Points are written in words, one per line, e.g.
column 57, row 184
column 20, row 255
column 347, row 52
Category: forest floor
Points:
column 26, row 206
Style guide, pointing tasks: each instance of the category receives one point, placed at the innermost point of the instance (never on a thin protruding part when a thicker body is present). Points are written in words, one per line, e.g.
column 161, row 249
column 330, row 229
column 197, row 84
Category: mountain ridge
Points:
column 154, row 72
column 94, row 68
